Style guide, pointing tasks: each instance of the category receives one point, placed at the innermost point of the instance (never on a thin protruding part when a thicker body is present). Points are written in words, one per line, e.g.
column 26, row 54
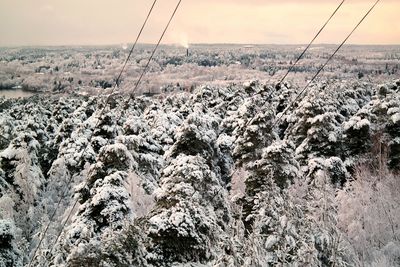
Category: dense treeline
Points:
column 209, row 178
column 93, row 69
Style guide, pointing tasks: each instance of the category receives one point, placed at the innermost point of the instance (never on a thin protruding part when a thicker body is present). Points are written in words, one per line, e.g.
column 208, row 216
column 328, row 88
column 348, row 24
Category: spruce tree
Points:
column 191, row 213
column 104, row 207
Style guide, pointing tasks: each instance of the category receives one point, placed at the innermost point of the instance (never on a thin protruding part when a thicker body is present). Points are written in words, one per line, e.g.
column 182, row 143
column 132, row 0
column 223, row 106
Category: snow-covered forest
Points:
column 212, row 176
column 93, row 69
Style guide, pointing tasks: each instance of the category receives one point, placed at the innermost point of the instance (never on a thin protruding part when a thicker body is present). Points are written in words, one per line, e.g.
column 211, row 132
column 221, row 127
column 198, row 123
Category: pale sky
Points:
column 95, row 22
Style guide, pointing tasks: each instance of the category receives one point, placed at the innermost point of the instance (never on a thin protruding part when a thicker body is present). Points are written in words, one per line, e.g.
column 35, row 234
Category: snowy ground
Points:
column 87, row 68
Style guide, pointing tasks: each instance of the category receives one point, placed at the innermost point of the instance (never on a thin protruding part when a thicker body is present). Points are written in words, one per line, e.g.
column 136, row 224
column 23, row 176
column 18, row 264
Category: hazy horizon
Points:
column 191, row 44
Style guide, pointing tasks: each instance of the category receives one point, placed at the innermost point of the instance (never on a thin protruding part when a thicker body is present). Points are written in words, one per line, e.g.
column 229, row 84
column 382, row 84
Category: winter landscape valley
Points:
column 210, row 162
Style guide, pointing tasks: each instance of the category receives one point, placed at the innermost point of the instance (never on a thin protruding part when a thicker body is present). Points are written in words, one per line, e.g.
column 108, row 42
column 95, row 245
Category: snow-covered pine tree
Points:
column 10, row 255
column 314, row 127
column 24, row 179
column 146, row 152
column 374, row 128
column 282, row 233
column 253, row 133
column 277, row 167
column 104, row 208
column 191, row 211
column 163, row 121
column 393, row 129
column 319, row 195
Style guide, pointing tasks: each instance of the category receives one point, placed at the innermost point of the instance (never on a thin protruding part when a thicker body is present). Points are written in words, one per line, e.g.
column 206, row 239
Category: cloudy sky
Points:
column 84, row 22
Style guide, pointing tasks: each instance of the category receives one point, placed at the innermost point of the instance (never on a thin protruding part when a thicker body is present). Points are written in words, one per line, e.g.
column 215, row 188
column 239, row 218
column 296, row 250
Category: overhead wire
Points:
column 92, row 134
column 310, row 43
column 278, row 85
column 130, row 96
column 134, row 44
column 324, row 65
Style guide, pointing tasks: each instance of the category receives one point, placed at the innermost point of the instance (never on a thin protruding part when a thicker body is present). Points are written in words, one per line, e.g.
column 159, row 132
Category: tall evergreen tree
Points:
column 104, row 207
column 191, row 213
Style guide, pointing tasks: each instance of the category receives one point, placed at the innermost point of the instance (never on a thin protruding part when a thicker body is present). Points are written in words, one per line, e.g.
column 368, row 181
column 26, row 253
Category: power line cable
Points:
column 324, row 65
column 131, row 94
column 137, row 84
column 92, row 134
column 311, row 42
column 278, row 85
column 134, row 45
